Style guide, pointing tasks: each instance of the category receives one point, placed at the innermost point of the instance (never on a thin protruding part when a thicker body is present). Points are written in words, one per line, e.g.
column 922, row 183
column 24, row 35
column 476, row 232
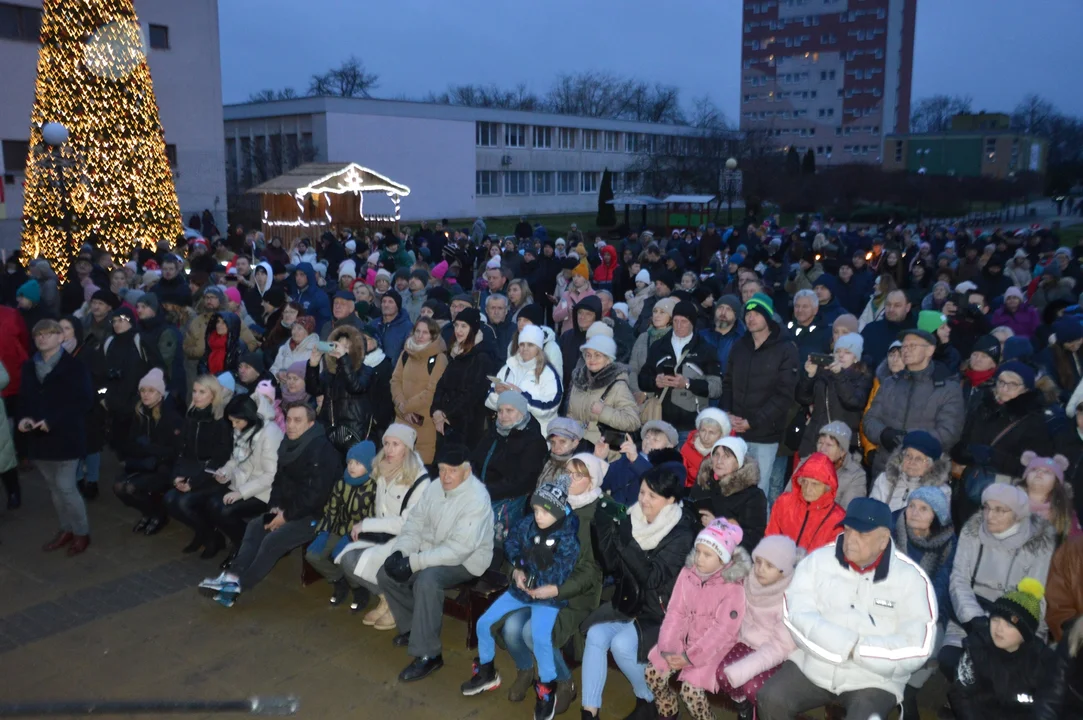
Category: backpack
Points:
column 431, row 363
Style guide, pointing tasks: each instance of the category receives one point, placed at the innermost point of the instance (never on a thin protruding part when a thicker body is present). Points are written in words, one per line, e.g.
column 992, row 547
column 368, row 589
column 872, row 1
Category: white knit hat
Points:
column 735, row 445
column 643, row 277
column 602, row 344
column 403, row 433
column 719, row 417
column 599, row 328
column 852, row 342
column 347, row 267
column 532, row 334
column 494, row 263
column 622, row 308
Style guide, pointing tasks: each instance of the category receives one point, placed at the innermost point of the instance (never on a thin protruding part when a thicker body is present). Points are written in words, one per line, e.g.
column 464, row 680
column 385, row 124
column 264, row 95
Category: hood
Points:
column 609, row 256
column 677, row 258
column 270, row 277
column 1042, row 534
column 356, row 343
column 818, row 467
column 265, row 408
column 583, row 380
column 233, row 325
column 592, row 303
column 938, row 474
column 740, row 566
column 310, row 273
column 41, row 271
column 745, row 477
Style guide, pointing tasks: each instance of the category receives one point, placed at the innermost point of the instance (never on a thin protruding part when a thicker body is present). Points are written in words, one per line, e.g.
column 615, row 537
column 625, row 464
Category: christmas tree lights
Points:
column 110, row 183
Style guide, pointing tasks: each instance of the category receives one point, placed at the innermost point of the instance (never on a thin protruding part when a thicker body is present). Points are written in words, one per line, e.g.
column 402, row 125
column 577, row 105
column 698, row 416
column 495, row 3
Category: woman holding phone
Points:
column 417, row 371
column 837, row 391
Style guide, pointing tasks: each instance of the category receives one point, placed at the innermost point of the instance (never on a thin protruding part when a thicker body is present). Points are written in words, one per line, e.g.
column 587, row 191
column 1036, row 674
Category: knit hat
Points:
column 840, row 431
column 403, row 433
column 718, row 417
column 383, row 273
column 1015, row 293
column 582, row 270
column 845, row 321
column 347, row 268
column 931, row 320
column 471, row 317
column 687, row 310
column 661, row 426
column 924, row 443
column 30, row 290
column 567, row 428
column 155, row 379
column 1021, row 607
column 394, row 295
column 515, row 399
column 722, row 537
column 853, row 342
column 600, row 343
column 552, row 497
column 599, row 328
column 453, row 454
column 150, row 300
column 1025, row 372
column 935, row 498
column 779, row 550
column 989, row 345
column 1017, row 348
column 1067, row 330
column 667, row 305
column 532, row 334
column 622, row 308
column 737, row 258
column 643, row 276
column 731, row 301
column 125, row 312
column 534, row 313
column 227, row 382
column 255, row 361
column 106, row 297
column 297, row 368
column 363, row 452
column 1011, row 495
column 217, row 292
column 735, row 445
column 762, row 304
column 666, row 278
column 1056, row 464
column 275, row 296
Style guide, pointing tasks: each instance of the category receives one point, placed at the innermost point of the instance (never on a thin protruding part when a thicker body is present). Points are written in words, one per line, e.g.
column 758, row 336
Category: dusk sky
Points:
column 994, row 50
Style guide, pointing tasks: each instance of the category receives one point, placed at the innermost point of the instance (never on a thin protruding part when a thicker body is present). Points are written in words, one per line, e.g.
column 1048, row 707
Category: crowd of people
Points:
column 785, row 467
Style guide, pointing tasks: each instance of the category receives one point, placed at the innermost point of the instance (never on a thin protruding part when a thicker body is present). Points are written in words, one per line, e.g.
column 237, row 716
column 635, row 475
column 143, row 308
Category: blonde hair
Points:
column 412, row 467
column 1060, row 507
column 220, row 394
column 539, row 360
column 527, row 295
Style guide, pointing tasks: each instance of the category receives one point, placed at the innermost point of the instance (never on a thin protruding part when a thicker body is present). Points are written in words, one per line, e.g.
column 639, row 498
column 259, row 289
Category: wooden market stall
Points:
column 688, row 211
column 316, row 197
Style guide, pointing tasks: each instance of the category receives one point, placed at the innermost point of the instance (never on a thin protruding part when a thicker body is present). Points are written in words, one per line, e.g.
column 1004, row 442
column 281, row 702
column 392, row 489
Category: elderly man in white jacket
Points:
column 447, row 539
column 863, row 616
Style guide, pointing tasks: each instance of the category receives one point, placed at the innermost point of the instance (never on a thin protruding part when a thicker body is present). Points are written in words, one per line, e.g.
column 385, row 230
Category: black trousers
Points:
column 193, row 508
column 144, row 491
column 232, row 520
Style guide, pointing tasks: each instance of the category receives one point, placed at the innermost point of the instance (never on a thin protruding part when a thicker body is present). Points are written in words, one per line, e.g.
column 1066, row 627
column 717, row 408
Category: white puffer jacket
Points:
column 252, row 466
column 301, row 353
column 856, row 631
column 551, row 349
column 543, row 394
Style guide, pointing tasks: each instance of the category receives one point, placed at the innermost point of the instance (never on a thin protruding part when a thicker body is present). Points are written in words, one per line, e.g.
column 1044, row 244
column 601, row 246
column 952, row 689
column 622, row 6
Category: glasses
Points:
column 1008, row 384
column 991, row 510
column 915, row 458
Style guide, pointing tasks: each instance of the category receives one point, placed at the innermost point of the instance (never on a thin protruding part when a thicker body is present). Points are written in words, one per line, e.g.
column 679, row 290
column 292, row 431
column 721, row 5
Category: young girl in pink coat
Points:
column 702, row 622
column 764, row 641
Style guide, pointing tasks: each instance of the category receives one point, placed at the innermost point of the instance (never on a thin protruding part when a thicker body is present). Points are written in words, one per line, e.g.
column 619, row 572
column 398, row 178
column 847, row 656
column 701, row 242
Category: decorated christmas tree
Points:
column 109, row 181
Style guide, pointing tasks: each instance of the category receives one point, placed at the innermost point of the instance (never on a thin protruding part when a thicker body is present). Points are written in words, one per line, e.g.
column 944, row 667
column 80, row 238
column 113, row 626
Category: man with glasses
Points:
column 925, row 395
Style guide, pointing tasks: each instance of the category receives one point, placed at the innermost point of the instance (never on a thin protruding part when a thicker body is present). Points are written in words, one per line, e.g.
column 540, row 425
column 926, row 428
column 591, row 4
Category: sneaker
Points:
column 222, row 584
column 546, row 706
column 483, row 677
column 226, row 599
column 524, row 680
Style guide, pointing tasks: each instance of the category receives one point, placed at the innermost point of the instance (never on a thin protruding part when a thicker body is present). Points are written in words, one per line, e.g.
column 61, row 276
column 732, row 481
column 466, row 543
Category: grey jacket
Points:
column 1003, row 563
column 931, row 400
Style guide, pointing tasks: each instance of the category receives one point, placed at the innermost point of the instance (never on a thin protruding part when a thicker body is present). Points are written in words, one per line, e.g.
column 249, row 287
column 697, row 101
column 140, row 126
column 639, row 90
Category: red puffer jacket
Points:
column 604, row 271
column 15, row 348
column 810, row 525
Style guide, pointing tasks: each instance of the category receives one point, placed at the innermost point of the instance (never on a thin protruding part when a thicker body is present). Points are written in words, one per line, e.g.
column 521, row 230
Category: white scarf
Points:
column 374, row 358
column 584, row 499
column 648, row 535
column 679, row 344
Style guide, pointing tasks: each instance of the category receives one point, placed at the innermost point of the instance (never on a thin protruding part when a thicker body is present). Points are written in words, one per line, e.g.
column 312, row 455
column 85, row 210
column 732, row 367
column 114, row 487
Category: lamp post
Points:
column 730, row 180
column 55, row 135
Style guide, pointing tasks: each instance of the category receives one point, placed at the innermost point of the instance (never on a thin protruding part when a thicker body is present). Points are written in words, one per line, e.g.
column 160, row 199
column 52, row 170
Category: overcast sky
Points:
column 994, row 50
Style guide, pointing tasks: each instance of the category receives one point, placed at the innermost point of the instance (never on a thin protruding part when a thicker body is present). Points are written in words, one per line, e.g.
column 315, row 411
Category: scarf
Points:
column 69, row 345
column 413, row 347
column 648, row 535
column 374, row 358
column 679, row 344
column 701, row 449
column 216, row 360
column 935, row 548
column 292, row 397
column 978, row 377
column 43, row 367
column 583, row 499
column 503, row 431
column 654, row 333
column 290, row 450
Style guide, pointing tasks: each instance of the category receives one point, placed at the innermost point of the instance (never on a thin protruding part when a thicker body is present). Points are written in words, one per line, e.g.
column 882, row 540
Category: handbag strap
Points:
column 1007, row 430
column 406, row 497
column 977, row 565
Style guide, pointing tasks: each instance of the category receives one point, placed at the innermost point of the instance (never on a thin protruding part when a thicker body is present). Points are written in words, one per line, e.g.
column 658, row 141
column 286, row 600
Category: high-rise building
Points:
column 830, row 75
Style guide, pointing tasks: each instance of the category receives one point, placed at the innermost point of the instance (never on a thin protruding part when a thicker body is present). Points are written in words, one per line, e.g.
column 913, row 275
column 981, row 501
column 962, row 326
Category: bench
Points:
column 468, row 601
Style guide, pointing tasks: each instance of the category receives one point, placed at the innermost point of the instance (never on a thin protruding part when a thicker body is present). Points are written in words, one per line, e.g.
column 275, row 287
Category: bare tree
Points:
column 488, row 96
column 706, row 115
column 933, row 114
column 1033, row 115
column 350, row 79
column 267, row 95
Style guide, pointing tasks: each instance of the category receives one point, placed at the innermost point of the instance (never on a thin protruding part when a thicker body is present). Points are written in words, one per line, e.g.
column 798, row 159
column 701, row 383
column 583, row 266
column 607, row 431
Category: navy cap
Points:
column 865, row 515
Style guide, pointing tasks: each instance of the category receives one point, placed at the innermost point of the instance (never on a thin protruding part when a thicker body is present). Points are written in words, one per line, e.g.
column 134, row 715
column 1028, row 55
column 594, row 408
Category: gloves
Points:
column 982, row 454
column 625, row 530
column 890, row 438
column 976, row 625
column 397, row 567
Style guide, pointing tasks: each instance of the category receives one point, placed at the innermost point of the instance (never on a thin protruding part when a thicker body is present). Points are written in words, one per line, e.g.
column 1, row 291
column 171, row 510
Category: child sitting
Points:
column 712, row 425
column 1005, row 665
column 623, row 478
column 1050, row 497
column 543, row 550
column 765, row 643
column 808, row 513
column 702, row 623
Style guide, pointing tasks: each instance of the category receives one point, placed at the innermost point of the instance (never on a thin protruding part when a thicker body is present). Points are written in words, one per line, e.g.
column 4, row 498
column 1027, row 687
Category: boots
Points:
column 746, row 711
column 484, row 677
column 523, row 680
column 546, row 706
column 644, row 710
column 910, row 704
column 340, row 592
column 566, row 695
column 374, row 615
column 59, row 540
column 79, row 544
column 213, row 546
column 361, row 597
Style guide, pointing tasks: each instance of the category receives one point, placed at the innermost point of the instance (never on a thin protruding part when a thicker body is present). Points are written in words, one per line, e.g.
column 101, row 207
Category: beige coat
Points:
column 412, row 388
column 620, row 412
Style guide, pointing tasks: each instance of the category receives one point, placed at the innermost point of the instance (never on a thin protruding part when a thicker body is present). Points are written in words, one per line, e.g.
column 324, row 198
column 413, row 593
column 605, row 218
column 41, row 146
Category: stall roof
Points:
column 330, row 178
column 689, row 199
column 635, row 200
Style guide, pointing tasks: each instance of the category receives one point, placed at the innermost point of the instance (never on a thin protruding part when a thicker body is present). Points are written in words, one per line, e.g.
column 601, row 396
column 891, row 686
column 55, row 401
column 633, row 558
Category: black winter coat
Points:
column 680, row 407
column 736, row 497
column 461, row 392
column 152, row 445
column 205, row 442
column 234, row 346
column 351, row 395
column 1061, row 695
column 760, row 383
column 1070, row 445
column 63, row 400
column 991, row 682
column 991, row 419
column 302, row 487
column 121, row 364
column 509, row 466
column 645, row 578
column 833, row 396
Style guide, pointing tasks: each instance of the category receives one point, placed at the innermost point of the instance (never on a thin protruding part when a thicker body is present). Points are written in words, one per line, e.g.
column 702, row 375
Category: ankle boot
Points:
column 78, row 544
column 213, row 546
column 59, row 540
column 910, row 704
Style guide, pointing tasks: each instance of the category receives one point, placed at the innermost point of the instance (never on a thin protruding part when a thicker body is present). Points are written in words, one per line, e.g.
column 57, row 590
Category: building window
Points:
column 171, row 155
column 566, row 182
column 20, row 23
column 590, row 139
column 566, row 138
column 487, row 134
column 898, row 150
column 485, row 183
column 543, row 183
column 631, row 142
column 588, row 182
column 15, row 153
column 611, row 141
column 159, row 37
column 515, row 182
column 515, row 136
column 543, row 137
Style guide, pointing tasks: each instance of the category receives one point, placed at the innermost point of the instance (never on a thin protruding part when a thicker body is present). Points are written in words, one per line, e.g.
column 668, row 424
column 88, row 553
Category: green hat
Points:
column 761, row 304
column 1021, row 607
column 931, row 320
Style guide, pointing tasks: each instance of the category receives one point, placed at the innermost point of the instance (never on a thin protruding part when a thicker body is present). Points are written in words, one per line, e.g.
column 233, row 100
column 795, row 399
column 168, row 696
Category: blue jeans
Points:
column 518, row 636
column 765, row 454
column 90, row 467
column 542, row 617
column 621, row 639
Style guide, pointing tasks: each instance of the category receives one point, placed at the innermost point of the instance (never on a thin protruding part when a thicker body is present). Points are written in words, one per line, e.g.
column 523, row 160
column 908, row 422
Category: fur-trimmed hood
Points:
column 1043, row 538
column 939, row 474
column 745, row 477
column 356, row 351
column 738, row 569
column 584, row 380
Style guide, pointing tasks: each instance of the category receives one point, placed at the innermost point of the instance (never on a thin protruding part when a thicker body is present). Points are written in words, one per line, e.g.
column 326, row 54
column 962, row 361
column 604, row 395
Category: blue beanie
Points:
column 1024, row 371
column 1017, row 348
column 1068, row 330
column 737, row 258
column 924, row 443
column 363, row 452
column 934, row 497
column 30, row 290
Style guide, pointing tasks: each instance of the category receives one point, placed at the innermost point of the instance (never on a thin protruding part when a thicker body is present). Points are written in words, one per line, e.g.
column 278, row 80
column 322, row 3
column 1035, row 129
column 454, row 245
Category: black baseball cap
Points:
column 866, row 514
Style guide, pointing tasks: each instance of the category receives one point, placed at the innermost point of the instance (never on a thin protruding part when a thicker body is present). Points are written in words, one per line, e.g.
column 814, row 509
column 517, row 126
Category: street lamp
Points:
column 731, row 178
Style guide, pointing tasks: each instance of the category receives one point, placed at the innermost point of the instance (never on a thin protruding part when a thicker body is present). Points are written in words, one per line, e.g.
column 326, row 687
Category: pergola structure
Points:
column 316, row 197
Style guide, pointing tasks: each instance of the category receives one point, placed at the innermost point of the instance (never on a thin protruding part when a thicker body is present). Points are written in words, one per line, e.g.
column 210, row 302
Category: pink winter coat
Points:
column 703, row 620
column 1024, row 322
column 762, row 630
